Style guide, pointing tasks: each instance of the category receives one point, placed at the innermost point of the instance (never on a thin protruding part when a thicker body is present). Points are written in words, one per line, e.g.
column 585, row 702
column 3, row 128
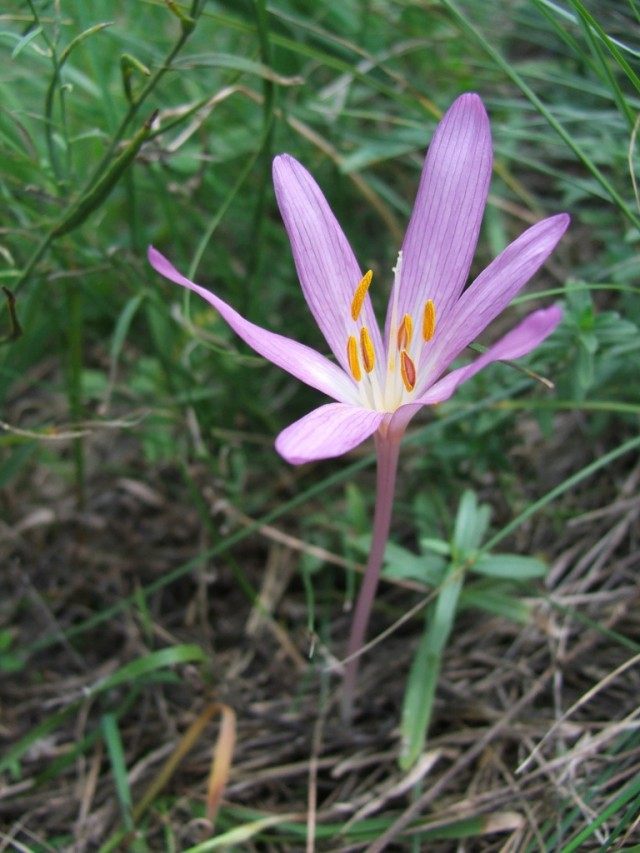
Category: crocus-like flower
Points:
column 379, row 380
column 383, row 377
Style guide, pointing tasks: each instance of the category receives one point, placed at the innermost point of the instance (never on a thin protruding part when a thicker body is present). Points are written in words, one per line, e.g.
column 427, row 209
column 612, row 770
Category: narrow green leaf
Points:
column 129, row 64
column 438, row 546
column 570, row 482
column 10, row 761
column 25, row 41
column 222, row 209
column 528, row 92
column 423, row 677
column 495, row 602
column 627, row 793
column 160, row 659
column 613, row 47
column 509, row 566
column 132, row 671
column 186, row 21
column 122, row 327
column 377, row 151
column 240, row 834
column 96, row 28
column 472, row 521
column 604, row 63
column 111, row 735
column 94, row 197
column 82, row 746
column 402, row 564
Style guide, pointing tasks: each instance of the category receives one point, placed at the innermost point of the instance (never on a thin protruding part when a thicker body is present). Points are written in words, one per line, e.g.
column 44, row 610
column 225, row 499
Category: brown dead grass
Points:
column 550, row 698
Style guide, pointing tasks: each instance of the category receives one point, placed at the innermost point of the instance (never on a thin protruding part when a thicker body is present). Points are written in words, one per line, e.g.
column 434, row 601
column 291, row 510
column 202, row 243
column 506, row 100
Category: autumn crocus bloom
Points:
column 382, row 378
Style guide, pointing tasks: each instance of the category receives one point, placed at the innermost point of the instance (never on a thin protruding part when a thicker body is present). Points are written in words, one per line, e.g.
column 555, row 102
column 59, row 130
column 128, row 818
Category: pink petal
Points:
column 327, row 268
column 441, row 238
column 526, row 336
column 297, row 359
column 326, row 432
column 493, row 290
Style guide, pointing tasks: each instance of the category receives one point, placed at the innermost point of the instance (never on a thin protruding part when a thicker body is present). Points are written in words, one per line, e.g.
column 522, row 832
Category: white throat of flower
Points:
column 380, row 389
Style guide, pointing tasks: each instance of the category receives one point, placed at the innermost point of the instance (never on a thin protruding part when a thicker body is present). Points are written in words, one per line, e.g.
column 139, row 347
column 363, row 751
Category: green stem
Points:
column 106, row 173
column 41, row 248
column 268, row 104
column 185, row 31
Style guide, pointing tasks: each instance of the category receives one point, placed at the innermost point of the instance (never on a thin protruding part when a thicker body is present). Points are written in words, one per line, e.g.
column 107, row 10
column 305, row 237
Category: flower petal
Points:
column 326, row 432
column 297, row 359
column 493, row 290
column 327, row 268
column 525, row 337
column 441, row 238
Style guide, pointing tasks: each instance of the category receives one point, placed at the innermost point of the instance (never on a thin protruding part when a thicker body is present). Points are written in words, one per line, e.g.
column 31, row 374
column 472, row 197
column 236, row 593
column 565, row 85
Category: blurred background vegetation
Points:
column 140, row 487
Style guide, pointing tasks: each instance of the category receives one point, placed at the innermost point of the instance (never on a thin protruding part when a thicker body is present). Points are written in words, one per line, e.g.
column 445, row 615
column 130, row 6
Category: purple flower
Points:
column 381, row 380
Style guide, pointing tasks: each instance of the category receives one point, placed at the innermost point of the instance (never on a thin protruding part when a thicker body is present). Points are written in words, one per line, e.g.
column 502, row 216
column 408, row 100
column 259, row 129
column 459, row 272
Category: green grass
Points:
column 133, row 424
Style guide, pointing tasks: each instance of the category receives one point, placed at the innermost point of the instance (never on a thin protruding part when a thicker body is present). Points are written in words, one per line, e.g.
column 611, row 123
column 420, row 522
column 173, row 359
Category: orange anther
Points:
column 405, row 332
column 407, row 370
column 354, row 361
column 429, row 320
column 367, row 350
column 359, row 295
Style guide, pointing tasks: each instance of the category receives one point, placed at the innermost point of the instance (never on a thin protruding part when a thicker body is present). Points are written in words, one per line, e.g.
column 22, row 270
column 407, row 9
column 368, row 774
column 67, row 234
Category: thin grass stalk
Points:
column 74, row 301
column 461, row 18
column 220, row 212
column 187, row 26
column 268, row 105
column 109, row 168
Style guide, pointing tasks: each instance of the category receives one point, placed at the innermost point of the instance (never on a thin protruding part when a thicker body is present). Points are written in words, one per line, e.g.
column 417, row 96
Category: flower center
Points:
column 404, row 350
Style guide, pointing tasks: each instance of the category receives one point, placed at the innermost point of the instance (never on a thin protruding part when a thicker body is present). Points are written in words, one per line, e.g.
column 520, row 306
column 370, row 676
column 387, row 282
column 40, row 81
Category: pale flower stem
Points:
column 387, row 448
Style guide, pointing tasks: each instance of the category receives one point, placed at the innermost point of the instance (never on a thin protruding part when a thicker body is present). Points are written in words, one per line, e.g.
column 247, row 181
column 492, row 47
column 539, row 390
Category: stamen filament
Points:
column 352, row 356
column 367, row 350
column 405, row 332
column 359, row 295
column 391, row 357
column 407, row 370
column 429, row 320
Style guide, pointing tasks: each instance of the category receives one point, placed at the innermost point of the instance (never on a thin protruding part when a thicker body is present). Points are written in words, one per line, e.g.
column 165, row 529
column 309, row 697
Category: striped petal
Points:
column 492, row 291
column 326, row 432
column 441, row 238
column 297, row 359
column 525, row 337
column 327, row 268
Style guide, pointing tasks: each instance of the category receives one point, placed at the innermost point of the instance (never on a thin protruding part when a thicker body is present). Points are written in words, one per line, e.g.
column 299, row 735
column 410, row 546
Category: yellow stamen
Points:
column 354, row 361
column 407, row 370
column 405, row 332
column 367, row 350
column 359, row 295
column 429, row 320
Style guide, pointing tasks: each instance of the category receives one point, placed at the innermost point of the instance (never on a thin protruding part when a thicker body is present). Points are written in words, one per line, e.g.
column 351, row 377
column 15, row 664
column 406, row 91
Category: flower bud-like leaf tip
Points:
column 359, row 295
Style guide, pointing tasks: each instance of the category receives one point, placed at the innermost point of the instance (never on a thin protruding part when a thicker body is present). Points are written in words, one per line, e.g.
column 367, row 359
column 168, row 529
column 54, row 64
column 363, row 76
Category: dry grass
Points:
column 527, row 718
